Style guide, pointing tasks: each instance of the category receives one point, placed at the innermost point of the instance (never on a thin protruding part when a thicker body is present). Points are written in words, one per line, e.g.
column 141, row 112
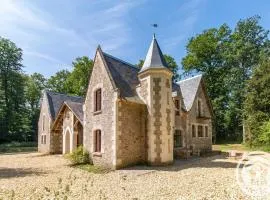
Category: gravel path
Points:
column 35, row 176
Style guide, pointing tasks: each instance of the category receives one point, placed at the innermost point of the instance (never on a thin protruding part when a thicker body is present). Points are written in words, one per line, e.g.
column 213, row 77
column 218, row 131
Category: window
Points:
column 177, row 138
column 200, row 131
column 193, row 131
column 44, row 142
column 43, row 122
column 43, row 139
column 97, row 141
column 97, row 100
column 177, row 106
column 206, row 131
column 199, row 108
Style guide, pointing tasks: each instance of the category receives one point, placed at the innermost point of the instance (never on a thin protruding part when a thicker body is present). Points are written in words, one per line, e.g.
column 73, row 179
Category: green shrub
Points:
column 79, row 156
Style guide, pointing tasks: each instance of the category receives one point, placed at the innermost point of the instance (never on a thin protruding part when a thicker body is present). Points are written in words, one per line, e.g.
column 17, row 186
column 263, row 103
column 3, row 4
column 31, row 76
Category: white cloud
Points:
column 36, row 30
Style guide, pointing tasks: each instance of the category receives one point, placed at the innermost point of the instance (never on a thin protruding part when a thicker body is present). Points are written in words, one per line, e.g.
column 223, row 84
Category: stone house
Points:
column 51, row 112
column 133, row 115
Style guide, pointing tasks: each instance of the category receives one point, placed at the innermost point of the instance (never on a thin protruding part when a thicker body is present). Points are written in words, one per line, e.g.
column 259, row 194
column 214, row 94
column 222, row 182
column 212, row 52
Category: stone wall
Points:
column 131, row 134
column 44, row 115
column 105, row 120
column 200, row 143
column 155, row 90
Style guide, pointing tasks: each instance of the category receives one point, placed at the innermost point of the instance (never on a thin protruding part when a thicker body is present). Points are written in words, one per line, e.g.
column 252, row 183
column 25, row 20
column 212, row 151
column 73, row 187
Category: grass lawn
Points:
column 17, row 147
column 92, row 168
column 238, row 147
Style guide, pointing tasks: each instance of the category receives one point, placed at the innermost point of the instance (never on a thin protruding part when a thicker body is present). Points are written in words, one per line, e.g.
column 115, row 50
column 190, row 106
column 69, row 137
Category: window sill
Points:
column 97, row 154
column 97, row 112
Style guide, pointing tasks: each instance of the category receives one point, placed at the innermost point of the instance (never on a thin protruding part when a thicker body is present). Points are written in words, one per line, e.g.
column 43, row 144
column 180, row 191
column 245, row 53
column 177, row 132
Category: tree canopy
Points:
column 227, row 58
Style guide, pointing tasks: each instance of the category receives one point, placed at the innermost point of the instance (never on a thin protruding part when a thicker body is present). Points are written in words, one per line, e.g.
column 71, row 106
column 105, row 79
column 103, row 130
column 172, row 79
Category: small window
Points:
column 44, row 142
column 193, row 131
column 177, row 106
column 199, row 108
column 43, row 122
column 42, row 139
column 200, row 131
column 177, row 138
column 97, row 100
column 97, row 141
column 206, row 131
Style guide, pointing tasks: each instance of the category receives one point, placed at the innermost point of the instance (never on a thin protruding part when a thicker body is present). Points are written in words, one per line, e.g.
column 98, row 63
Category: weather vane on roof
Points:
column 155, row 26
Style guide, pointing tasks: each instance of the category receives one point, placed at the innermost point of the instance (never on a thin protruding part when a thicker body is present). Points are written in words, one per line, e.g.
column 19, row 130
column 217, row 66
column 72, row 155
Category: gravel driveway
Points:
column 35, row 176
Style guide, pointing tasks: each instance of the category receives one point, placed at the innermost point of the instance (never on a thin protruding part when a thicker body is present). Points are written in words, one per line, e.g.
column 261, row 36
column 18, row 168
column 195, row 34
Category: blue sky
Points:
column 54, row 32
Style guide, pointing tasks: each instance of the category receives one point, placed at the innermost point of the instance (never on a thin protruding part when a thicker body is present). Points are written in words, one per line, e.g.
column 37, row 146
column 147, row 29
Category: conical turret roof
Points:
column 154, row 58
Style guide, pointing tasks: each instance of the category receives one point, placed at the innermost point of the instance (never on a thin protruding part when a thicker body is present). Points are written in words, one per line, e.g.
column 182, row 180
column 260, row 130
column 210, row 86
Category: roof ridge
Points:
column 197, row 76
column 58, row 93
column 120, row 60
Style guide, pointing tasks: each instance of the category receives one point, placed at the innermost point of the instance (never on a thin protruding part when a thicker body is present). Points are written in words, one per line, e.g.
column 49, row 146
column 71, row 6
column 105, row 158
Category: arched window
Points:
column 97, row 100
column 97, row 141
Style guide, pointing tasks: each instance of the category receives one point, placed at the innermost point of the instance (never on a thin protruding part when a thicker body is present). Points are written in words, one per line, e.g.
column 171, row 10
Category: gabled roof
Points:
column 55, row 101
column 76, row 108
column 125, row 77
column 189, row 88
column 154, row 58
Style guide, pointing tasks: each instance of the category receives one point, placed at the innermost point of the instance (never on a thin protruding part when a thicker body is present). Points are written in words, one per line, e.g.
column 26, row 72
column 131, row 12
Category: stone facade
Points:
column 130, row 117
column 160, row 119
column 44, row 127
column 104, row 120
column 131, row 134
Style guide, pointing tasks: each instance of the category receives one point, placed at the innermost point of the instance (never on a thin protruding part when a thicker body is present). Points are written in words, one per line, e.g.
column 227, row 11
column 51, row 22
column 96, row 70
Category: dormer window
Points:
column 97, row 100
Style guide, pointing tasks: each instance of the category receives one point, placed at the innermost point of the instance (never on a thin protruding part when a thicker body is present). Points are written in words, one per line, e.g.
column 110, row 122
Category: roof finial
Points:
column 155, row 26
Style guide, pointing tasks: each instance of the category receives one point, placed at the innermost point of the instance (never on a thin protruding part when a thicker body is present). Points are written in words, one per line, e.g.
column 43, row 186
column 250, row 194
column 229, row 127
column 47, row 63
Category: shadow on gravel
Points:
column 195, row 162
column 19, row 172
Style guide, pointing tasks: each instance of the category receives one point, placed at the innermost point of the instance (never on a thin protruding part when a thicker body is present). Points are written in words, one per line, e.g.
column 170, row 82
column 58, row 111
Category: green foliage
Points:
column 257, row 106
column 78, row 79
column 58, row 82
column 14, row 117
column 227, row 58
column 74, row 82
column 14, row 147
column 172, row 65
column 79, row 156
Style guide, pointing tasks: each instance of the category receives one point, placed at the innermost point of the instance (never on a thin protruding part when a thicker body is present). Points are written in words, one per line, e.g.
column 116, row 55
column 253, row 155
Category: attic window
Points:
column 97, row 100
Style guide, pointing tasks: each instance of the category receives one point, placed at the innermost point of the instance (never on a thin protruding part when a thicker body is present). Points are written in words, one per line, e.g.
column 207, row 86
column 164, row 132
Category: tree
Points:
column 257, row 106
column 13, row 115
column 78, row 79
column 35, row 83
column 227, row 58
column 172, row 65
column 58, row 82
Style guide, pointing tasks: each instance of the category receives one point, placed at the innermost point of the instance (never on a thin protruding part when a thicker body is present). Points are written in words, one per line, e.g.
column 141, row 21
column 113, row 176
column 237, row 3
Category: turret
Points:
column 156, row 91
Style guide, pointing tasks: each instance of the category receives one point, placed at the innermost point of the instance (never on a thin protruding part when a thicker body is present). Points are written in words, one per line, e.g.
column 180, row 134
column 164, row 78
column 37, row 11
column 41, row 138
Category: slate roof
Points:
column 154, row 57
column 189, row 88
column 76, row 108
column 55, row 101
column 125, row 77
